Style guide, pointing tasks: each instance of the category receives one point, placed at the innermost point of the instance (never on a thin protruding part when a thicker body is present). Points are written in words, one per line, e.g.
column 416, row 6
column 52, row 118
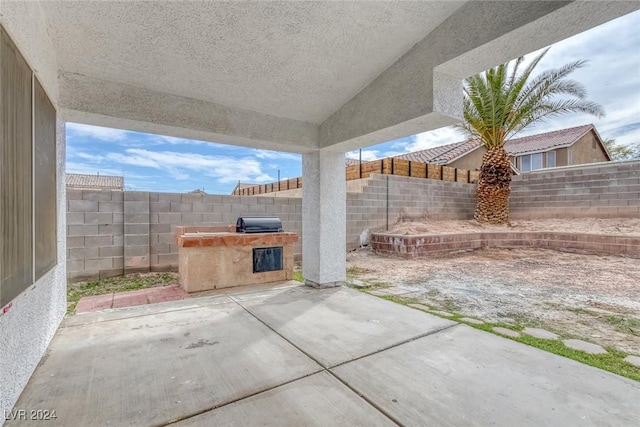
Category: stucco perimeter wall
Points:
column 604, row 190
column 110, row 233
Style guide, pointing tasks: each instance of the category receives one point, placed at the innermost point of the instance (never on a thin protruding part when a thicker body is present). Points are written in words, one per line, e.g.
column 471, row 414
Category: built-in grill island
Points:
column 256, row 250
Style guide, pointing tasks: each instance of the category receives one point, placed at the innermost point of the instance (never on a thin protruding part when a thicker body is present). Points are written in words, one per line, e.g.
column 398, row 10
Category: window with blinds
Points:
column 27, row 174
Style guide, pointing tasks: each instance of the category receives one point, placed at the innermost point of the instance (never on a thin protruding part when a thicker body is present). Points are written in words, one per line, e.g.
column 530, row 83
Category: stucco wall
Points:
column 588, row 150
column 30, row 321
column 471, row 161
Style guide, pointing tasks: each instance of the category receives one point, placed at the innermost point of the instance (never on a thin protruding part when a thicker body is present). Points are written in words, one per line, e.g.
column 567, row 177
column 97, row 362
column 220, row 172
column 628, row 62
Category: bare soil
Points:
column 614, row 226
column 587, row 296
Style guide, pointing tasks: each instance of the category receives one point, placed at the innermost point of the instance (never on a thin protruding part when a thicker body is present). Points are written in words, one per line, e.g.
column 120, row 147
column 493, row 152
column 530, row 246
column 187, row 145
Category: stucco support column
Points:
column 324, row 215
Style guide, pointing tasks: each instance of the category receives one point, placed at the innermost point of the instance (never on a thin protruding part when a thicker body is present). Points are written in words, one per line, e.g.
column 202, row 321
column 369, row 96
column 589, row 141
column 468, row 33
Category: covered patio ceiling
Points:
column 292, row 76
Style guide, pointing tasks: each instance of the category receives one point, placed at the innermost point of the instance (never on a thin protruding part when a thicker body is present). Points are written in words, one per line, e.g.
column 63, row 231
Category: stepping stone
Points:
column 587, row 347
column 540, row 333
column 358, row 283
column 507, row 332
column 442, row 313
column 424, row 307
column 470, row 320
column 634, row 360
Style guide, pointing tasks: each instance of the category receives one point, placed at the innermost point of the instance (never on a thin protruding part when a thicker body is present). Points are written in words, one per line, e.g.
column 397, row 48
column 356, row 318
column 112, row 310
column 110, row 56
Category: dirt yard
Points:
column 586, row 296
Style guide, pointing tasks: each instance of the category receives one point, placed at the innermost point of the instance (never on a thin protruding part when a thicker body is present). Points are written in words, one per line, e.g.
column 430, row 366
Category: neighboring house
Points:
column 95, row 182
column 351, row 162
column 572, row 146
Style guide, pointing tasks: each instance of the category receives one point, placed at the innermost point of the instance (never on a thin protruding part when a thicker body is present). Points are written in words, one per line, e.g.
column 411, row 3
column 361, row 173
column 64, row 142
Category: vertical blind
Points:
column 24, row 124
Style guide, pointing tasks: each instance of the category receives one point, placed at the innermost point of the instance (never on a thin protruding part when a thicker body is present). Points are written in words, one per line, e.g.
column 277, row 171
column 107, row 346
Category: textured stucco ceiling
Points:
column 298, row 60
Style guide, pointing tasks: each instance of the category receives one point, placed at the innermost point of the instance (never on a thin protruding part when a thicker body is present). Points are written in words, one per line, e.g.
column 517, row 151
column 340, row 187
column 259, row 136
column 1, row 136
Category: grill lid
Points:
column 258, row 225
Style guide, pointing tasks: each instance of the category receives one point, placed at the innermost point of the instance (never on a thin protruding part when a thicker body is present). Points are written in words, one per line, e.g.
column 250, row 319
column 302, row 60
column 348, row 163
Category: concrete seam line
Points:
column 277, row 333
column 221, row 405
column 324, row 369
column 417, row 337
column 366, row 399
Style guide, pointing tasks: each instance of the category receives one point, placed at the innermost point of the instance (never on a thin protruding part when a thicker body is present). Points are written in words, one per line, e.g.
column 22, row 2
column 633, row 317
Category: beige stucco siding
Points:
column 588, row 150
column 470, row 161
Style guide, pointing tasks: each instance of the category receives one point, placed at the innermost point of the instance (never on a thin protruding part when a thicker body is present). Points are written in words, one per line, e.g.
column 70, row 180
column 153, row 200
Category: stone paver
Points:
column 470, row 320
column 401, row 290
column 424, row 307
column 634, row 360
column 507, row 332
column 442, row 313
column 540, row 333
column 95, row 303
column 131, row 298
column 587, row 347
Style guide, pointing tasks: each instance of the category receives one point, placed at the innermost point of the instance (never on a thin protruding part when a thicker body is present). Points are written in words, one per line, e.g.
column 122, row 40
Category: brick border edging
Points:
column 426, row 245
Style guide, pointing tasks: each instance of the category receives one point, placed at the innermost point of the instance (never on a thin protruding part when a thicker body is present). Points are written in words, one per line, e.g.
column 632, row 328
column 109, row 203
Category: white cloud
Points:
column 367, row 155
column 92, row 169
column 276, row 155
column 96, row 132
column 172, row 140
column 181, row 166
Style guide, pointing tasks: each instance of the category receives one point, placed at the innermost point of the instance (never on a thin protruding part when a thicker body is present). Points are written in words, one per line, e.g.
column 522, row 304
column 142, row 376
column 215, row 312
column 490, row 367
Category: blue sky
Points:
column 161, row 163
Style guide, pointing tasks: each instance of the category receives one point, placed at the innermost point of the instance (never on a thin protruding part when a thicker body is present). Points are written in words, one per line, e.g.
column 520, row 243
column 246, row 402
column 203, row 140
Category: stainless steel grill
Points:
column 259, row 225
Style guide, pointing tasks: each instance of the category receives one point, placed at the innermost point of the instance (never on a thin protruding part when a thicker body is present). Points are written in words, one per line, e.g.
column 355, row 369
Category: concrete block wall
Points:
column 408, row 199
column 111, row 233
column 604, row 190
column 95, row 234
column 169, row 210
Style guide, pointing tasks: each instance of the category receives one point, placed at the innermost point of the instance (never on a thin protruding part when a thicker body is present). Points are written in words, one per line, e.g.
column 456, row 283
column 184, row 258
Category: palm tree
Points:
column 501, row 102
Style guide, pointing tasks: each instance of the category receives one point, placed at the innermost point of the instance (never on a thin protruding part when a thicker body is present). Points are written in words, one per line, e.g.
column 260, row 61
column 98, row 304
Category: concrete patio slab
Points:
column 338, row 324
column 153, row 368
column 463, row 376
column 209, row 361
column 317, row 400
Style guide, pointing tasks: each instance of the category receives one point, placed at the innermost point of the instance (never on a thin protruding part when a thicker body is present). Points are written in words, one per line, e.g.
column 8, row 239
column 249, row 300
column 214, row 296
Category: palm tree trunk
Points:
column 494, row 187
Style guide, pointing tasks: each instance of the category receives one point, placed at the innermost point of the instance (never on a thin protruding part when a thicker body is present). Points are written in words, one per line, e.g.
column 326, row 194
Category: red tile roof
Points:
column 546, row 141
column 98, row 182
column 445, row 154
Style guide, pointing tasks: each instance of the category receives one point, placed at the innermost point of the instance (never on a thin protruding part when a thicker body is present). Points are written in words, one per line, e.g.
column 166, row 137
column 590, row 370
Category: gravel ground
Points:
column 588, row 296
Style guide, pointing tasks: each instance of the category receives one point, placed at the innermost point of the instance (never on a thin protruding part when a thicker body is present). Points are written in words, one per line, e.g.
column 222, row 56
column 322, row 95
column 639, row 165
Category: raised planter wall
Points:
column 430, row 245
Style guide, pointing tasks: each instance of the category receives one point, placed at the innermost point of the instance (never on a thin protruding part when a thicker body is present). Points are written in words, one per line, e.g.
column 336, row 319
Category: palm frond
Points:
column 505, row 99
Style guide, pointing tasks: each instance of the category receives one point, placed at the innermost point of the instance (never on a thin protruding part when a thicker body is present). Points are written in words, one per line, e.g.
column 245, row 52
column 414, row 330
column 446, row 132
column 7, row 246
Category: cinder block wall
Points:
column 605, row 190
column 95, row 234
column 408, row 199
column 110, row 233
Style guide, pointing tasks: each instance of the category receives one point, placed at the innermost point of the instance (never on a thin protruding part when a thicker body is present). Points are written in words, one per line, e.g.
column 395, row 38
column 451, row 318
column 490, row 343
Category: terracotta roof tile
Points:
column 445, row 154
column 546, row 141
column 95, row 181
